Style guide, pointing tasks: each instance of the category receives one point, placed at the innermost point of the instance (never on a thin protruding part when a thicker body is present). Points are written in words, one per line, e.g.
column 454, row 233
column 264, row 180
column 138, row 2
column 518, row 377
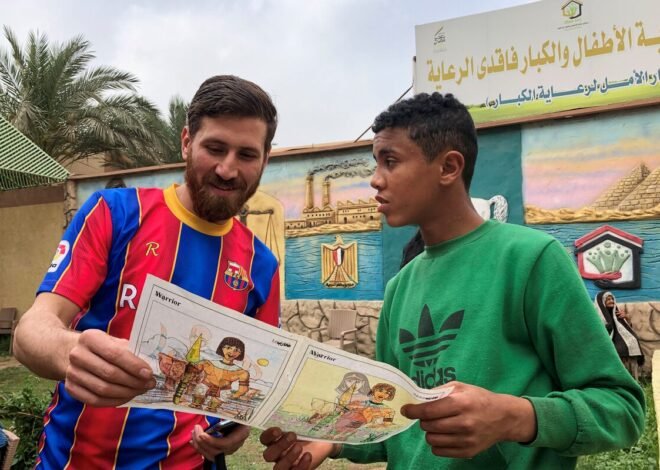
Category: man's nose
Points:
column 376, row 180
column 227, row 167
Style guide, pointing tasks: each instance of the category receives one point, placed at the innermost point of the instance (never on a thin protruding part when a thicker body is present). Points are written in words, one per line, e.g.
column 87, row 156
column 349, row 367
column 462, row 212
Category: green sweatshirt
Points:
column 504, row 308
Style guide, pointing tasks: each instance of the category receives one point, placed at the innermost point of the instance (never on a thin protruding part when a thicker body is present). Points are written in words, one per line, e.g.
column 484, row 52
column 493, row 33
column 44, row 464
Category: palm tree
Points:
column 178, row 112
column 73, row 111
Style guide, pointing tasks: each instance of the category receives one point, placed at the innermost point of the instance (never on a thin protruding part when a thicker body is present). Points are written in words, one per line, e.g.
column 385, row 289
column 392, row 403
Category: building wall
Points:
column 572, row 168
column 89, row 166
column 556, row 176
column 32, row 224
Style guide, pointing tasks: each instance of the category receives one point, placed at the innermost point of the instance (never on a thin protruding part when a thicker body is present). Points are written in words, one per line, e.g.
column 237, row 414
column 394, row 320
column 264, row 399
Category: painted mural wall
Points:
column 317, row 214
column 594, row 184
column 332, row 232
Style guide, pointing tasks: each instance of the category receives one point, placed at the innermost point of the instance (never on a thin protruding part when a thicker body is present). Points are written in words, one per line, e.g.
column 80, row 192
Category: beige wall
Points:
column 28, row 237
column 89, row 166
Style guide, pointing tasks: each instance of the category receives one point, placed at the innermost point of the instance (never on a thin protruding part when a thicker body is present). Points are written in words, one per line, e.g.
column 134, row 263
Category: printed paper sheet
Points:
column 211, row 360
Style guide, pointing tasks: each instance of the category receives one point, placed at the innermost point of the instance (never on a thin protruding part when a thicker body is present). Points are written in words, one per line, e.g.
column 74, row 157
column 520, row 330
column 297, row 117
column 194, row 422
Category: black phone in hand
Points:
column 221, row 428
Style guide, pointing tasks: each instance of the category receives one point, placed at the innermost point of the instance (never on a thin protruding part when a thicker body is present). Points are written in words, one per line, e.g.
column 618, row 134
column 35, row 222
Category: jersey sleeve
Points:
column 80, row 262
column 269, row 312
column 598, row 405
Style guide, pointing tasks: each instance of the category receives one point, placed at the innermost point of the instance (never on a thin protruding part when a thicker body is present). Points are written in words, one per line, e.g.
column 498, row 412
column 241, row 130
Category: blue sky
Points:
column 330, row 65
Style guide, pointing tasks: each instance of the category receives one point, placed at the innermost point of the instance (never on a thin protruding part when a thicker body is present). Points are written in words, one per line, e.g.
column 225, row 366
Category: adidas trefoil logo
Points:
column 424, row 350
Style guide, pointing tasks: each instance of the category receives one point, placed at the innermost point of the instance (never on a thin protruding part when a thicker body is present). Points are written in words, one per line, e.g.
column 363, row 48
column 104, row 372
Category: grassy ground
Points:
column 644, row 455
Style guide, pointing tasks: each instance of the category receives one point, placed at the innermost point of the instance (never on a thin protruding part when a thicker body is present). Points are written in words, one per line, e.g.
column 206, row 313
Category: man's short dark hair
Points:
column 228, row 95
column 437, row 124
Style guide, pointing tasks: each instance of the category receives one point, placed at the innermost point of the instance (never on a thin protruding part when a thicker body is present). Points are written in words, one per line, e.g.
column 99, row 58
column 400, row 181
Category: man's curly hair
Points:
column 437, row 124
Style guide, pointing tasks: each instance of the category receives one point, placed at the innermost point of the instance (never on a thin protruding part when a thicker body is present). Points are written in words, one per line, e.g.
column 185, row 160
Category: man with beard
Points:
column 76, row 331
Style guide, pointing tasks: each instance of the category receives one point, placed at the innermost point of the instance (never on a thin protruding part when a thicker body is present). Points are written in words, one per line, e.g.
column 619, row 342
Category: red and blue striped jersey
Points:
column 116, row 238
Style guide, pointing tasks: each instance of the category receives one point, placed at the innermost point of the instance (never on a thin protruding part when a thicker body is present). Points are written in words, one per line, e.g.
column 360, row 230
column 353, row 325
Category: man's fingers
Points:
column 450, row 425
column 430, row 410
column 89, row 397
column 270, row 435
column 449, row 440
column 114, row 351
column 441, row 408
column 305, row 462
column 232, row 442
column 277, row 449
column 210, row 446
column 289, row 458
column 85, row 364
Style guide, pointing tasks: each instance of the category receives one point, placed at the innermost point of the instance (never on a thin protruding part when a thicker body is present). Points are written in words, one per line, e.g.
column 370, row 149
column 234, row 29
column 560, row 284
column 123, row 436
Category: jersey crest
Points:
column 236, row 276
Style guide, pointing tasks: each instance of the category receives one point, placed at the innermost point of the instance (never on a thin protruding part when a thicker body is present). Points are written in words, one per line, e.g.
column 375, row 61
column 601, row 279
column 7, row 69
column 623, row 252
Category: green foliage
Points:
column 14, row 378
column 23, row 412
column 178, row 111
column 73, row 111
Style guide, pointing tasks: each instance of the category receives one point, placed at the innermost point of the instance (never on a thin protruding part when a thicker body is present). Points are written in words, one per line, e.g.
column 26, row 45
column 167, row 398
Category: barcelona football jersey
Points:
column 116, row 239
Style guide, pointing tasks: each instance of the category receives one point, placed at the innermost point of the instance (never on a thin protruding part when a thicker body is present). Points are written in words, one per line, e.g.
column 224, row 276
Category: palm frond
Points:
column 73, row 111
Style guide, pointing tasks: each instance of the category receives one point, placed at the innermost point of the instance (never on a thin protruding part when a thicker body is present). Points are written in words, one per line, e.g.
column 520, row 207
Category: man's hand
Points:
column 210, row 446
column 472, row 419
column 286, row 452
column 103, row 372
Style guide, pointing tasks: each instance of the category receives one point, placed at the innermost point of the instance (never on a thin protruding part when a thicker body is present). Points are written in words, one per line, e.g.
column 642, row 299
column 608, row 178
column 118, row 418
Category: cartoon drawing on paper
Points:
column 371, row 414
column 203, row 366
column 207, row 369
column 352, row 411
column 354, row 388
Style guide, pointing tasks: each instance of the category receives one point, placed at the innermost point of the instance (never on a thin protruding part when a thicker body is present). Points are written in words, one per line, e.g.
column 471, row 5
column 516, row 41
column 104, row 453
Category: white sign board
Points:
column 543, row 57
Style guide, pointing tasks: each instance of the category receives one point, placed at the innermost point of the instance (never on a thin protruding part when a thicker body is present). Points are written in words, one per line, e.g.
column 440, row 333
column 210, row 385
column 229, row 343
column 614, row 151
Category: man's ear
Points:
column 452, row 163
column 186, row 141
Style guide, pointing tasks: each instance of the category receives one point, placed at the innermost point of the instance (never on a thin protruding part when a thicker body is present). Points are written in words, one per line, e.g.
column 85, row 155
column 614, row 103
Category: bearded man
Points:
column 76, row 331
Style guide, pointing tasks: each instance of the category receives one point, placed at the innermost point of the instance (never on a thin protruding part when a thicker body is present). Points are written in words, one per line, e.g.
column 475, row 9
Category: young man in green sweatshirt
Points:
column 496, row 311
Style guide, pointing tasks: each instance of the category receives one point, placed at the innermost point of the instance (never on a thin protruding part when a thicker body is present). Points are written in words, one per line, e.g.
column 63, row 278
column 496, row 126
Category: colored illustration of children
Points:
column 354, row 387
column 374, row 413
column 172, row 368
column 220, row 375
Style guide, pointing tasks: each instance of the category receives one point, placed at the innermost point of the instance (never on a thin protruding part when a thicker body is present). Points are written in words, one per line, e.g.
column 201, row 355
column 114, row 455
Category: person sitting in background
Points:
column 620, row 330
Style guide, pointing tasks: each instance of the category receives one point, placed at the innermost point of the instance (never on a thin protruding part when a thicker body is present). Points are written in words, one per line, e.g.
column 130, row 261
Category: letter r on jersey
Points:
column 128, row 293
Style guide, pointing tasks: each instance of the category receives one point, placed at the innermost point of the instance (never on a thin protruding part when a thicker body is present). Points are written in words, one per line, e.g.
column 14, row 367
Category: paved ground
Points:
column 8, row 361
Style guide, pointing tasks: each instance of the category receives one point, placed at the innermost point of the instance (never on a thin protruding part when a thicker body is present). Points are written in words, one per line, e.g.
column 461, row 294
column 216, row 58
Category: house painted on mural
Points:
column 610, row 257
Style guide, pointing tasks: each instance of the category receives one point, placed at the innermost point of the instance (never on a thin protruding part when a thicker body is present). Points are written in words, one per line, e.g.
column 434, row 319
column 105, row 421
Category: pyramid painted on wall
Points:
column 639, row 190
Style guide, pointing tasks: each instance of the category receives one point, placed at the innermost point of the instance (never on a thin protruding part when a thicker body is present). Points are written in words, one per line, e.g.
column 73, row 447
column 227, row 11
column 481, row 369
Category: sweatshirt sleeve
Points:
column 598, row 405
column 377, row 452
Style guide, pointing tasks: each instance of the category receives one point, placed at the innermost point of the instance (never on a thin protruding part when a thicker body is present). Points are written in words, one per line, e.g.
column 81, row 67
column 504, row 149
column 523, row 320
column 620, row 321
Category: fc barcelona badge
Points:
column 236, row 277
